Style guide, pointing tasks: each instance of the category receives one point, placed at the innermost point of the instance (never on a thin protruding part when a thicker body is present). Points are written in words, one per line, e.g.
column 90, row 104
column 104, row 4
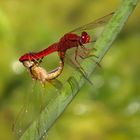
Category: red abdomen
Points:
column 35, row 56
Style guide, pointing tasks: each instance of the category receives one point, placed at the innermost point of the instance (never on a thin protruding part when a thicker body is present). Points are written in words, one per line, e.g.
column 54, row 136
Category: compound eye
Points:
column 88, row 39
column 85, row 37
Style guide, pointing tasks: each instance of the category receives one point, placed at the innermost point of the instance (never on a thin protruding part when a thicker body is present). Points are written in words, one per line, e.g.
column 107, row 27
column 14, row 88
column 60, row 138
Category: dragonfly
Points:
column 68, row 41
column 32, row 61
column 39, row 73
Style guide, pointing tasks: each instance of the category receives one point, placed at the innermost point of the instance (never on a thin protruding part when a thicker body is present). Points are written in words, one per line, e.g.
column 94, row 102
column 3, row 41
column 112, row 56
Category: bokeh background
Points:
column 109, row 110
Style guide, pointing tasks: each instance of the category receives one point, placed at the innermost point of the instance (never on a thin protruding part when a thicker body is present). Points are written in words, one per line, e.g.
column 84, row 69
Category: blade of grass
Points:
column 53, row 110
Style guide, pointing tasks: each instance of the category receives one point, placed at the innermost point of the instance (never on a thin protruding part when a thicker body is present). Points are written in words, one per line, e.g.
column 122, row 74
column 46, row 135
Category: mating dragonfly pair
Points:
column 70, row 40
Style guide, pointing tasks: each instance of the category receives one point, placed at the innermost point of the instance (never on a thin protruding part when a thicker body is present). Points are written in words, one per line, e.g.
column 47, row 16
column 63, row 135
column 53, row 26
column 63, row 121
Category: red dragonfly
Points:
column 32, row 61
column 68, row 41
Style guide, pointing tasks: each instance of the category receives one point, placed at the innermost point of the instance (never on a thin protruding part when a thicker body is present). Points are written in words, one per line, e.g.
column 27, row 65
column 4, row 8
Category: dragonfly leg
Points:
column 62, row 55
column 86, row 52
column 87, row 49
column 84, row 57
column 76, row 54
column 87, row 56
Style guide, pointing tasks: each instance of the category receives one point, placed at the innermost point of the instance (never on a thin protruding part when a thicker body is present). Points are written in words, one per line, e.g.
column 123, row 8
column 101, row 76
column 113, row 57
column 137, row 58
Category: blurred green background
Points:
column 109, row 110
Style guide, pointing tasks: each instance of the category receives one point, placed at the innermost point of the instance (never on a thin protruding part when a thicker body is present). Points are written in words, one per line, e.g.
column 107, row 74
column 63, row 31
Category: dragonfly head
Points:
column 85, row 38
column 28, row 64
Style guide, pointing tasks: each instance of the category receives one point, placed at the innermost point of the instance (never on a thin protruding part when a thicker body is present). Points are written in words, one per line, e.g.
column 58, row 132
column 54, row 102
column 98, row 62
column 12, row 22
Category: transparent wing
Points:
column 30, row 108
column 70, row 60
column 97, row 23
column 33, row 103
column 56, row 83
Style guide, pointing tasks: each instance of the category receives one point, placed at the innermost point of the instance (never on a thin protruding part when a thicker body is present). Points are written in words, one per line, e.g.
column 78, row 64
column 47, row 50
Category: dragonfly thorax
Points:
column 85, row 38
